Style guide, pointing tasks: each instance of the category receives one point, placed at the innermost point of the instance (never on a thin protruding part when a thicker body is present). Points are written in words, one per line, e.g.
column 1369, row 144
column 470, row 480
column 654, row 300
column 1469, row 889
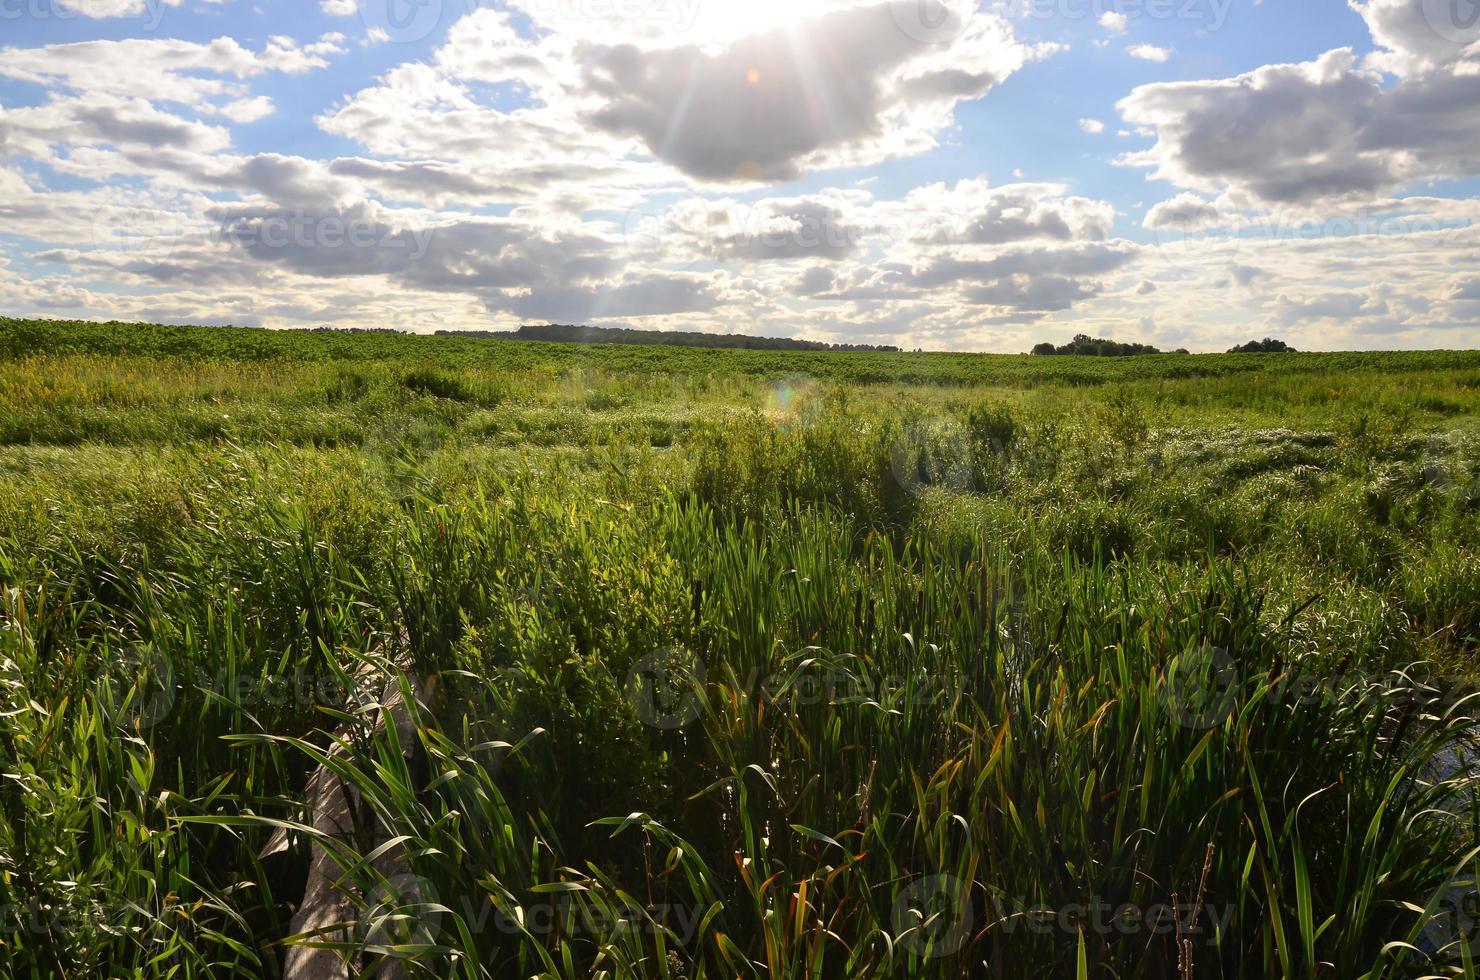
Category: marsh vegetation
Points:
column 736, row 663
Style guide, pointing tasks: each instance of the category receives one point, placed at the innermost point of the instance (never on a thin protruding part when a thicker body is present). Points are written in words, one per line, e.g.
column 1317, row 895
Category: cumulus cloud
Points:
column 1332, row 129
column 523, row 268
column 775, row 104
column 835, row 225
column 247, row 110
column 99, row 9
column 600, row 163
column 816, row 280
column 1080, row 260
column 631, row 296
column 1018, row 251
column 1333, row 305
column 440, row 184
column 1280, row 134
column 162, row 69
column 975, row 213
column 1026, row 280
column 817, row 226
column 124, row 84
column 128, row 124
column 1185, row 212
column 1245, row 275
column 1420, row 36
column 1149, row 52
column 840, row 84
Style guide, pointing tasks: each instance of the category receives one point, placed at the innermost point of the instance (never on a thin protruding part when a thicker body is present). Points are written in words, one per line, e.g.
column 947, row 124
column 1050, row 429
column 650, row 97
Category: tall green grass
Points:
column 712, row 680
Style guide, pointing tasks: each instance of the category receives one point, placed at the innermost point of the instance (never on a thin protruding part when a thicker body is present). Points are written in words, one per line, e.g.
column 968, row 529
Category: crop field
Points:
column 637, row 662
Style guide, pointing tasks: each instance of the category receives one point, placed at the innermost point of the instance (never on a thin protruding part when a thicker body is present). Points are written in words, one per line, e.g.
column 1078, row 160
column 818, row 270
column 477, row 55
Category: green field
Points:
column 736, row 663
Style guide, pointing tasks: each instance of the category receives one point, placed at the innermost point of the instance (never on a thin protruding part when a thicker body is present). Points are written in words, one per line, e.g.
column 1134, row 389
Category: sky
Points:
column 937, row 174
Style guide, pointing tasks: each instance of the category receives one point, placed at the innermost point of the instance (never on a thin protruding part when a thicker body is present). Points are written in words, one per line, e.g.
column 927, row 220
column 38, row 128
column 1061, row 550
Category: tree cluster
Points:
column 1084, row 345
column 1265, row 346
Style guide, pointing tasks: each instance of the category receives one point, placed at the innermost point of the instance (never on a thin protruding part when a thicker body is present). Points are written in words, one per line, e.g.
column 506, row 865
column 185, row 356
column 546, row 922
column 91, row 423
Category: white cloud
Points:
column 1420, row 36
column 828, row 226
column 1185, row 212
column 762, row 107
column 539, row 165
column 99, row 9
column 248, row 110
column 163, row 70
column 1149, row 52
column 972, row 212
column 340, row 8
column 127, row 125
column 1325, row 130
column 1040, row 279
column 1344, row 306
column 1092, row 126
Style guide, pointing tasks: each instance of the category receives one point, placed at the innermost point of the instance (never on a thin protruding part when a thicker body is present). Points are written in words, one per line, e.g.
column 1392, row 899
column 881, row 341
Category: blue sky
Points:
column 930, row 173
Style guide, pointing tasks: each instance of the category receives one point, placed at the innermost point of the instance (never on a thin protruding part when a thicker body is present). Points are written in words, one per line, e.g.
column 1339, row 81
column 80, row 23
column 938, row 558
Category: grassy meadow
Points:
column 736, row 663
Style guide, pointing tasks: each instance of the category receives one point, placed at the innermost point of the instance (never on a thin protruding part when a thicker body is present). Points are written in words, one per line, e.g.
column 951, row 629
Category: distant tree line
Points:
column 621, row 335
column 1084, row 345
column 1265, row 346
